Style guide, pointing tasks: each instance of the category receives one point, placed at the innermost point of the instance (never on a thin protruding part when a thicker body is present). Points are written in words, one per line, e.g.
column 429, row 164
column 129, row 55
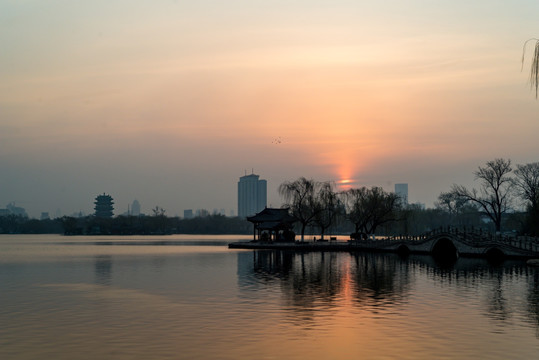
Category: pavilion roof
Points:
column 272, row 217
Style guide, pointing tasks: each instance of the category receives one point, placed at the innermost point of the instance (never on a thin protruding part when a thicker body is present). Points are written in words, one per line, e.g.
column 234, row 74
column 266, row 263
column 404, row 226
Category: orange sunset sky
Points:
column 170, row 102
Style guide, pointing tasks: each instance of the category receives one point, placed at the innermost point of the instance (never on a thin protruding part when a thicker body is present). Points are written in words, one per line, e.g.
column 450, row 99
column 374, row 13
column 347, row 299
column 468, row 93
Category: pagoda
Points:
column 103, row 206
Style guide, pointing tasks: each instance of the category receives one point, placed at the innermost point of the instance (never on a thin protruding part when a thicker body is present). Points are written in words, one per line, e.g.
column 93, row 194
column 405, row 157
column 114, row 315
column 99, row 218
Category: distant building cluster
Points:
column 252, row 195
column 12, row 209
column 104, row 208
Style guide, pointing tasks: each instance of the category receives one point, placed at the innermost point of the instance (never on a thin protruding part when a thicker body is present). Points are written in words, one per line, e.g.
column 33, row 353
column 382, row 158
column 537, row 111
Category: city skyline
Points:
column 167, row 102
column 244, row 199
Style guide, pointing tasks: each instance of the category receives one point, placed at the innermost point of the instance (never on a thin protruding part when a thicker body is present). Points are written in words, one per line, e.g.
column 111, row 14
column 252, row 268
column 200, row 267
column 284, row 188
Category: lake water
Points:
column 190, row 297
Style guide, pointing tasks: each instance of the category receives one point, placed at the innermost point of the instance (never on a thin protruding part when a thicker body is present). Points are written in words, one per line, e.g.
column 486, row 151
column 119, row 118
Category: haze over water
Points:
column 190, row 297
column 169, row 102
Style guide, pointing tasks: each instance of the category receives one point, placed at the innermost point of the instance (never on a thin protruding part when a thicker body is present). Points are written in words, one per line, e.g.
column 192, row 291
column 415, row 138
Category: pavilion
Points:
column 273, row 225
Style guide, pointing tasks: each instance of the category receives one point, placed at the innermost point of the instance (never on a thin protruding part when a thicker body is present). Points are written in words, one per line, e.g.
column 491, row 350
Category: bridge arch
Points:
column 403, row 250
column 494, row 254
column 445, row 249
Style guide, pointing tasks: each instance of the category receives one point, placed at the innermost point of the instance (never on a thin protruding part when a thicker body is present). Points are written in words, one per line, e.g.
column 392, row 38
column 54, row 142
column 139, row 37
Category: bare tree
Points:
column 329, row 208
column 450, row 202
column 383, row 206
column 534, row 72
column 300, row 197
column 494, row 195
column 460, row 211
column 369, row 208
column 527, row 184
column 158, row 211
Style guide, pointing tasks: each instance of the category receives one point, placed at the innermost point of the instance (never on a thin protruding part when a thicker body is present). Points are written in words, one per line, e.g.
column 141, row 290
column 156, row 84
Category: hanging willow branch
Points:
column 534, row 73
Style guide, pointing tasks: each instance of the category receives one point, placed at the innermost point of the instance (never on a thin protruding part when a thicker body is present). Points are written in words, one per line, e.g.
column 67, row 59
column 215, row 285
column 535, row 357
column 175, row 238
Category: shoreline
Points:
column 397, row 247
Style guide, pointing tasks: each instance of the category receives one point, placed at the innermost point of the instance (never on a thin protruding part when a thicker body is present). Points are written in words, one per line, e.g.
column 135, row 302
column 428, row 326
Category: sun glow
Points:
column 345, row 169
column 345, row 184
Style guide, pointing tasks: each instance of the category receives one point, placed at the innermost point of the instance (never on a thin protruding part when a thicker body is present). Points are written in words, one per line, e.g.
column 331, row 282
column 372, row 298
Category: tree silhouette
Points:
column 527, row 185
column 300, row 197
column 329, row 208
column 158, row 211
column 494, row 195
column 369, row 208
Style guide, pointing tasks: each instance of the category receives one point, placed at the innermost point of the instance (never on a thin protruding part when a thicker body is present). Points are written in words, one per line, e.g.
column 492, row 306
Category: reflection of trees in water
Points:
column 307, row 281
column 312, row 280
column 533, row 298
column 305, row 277
column 497, row 305
column 103, row 269
column 379, row 279
column 494, row 284
column 272, row 265
column 316, row 279
column 315, row 283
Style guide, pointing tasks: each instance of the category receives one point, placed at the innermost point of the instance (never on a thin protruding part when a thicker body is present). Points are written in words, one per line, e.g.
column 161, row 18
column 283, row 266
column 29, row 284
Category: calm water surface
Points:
column 190, row 297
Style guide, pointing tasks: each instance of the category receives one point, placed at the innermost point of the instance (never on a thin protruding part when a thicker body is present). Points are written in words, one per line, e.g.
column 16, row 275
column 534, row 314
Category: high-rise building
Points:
column 188, row 214
column 252, row 195
column 402, row 191
column 135, row 208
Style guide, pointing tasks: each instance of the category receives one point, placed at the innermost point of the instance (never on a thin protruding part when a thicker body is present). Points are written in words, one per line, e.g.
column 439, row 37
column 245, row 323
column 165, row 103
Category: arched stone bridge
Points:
column 449, row 243
column 455, row 242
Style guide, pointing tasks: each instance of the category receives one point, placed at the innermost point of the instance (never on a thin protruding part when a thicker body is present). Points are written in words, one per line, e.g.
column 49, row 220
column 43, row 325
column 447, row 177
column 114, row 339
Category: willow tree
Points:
column 369, row 208
column 534, row 71
column 300, row 197
column 328, row 207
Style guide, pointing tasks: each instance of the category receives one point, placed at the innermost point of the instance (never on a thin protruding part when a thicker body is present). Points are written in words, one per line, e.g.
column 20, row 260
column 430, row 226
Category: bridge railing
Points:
column 472, row 236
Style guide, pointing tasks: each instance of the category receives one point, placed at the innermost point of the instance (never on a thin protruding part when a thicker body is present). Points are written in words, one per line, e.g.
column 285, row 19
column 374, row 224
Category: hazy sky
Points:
column 170, row 102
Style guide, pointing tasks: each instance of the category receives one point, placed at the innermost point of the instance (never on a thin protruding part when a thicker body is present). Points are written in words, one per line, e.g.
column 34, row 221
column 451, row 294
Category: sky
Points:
column 170, row 102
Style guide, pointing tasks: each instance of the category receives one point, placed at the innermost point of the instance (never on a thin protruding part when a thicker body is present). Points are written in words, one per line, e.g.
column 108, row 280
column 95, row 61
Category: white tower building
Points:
column 402, row 191
column 252, row 195
column 135, row 208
